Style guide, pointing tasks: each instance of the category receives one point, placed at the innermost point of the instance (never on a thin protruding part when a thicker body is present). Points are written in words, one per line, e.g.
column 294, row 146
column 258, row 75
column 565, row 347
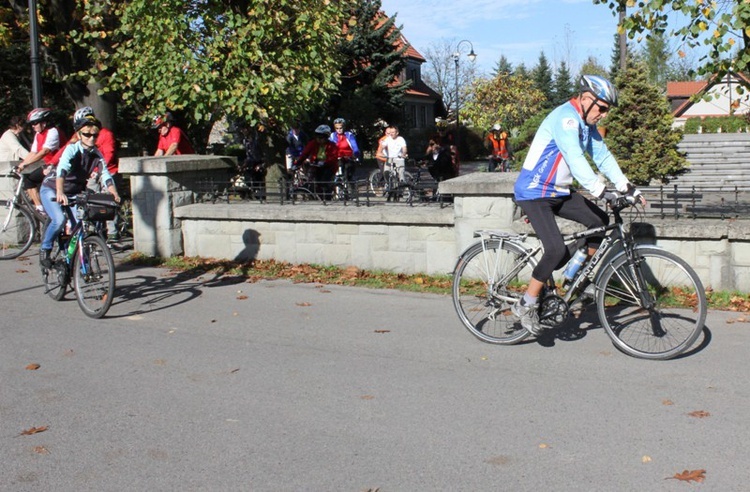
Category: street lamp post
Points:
column 472, row 56
column 36, row 74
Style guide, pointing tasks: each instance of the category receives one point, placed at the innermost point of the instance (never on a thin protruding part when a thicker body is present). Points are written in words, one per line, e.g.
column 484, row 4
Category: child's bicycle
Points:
column 83, row 258
column 650, row 302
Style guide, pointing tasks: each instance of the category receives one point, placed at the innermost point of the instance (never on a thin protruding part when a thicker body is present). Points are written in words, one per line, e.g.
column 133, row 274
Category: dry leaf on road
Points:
column 304, row 304
column 33, row 430
column 241, row 298
column 690, row 475
column 700, row 414
column 33, row 367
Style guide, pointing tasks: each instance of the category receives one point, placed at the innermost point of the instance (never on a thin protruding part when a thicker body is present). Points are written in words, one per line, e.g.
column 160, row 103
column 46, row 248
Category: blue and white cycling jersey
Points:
column 556, row 157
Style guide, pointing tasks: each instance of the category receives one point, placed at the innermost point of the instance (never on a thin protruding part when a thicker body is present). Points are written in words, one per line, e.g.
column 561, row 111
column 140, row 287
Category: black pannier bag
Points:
column 101, row 206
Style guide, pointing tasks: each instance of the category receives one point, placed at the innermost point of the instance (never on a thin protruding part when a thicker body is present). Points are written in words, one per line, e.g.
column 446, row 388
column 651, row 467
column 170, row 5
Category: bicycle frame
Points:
column 614, row 235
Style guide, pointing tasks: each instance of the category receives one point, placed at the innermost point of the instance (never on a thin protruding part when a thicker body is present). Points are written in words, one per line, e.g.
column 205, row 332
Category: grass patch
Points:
column 356, row 277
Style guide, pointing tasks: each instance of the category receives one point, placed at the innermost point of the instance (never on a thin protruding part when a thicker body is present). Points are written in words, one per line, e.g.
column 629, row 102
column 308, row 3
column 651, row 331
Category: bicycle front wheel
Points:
column 655, row 309
column 94, row 277
column 17, row 231
column 376, row 182
column 489, row 278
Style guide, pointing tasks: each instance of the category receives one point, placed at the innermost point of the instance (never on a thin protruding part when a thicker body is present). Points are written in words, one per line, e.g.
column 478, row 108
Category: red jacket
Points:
column 313, row 151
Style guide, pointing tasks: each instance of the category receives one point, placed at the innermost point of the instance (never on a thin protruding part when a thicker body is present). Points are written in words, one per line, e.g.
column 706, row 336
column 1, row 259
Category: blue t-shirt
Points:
column 556, row 157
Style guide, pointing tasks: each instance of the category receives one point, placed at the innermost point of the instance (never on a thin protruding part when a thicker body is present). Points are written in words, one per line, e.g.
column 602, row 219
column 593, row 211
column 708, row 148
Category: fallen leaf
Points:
column 304, row 304
column 40, row 450
column 690, row 475
column 241, row 298
column 234, row 370
column 160, row 362
column 69, row 353
column 22, row 271
column 667, row 402
column 419, row 281
column 33, row 367
column 366, row 397
column 33, row 430
column 382, row 331
column 646, row 459
column 325, row 291
column 699, row 414
column 544, row 446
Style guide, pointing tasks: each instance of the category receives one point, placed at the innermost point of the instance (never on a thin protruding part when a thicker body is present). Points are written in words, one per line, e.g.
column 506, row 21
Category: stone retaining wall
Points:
column 392, row 237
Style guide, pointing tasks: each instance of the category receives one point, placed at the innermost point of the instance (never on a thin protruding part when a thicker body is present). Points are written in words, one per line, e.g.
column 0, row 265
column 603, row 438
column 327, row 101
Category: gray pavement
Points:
column 198, row 382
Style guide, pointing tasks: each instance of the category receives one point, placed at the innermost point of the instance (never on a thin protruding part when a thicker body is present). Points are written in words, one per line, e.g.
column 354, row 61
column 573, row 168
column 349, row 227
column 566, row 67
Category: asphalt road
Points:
column 212, row 383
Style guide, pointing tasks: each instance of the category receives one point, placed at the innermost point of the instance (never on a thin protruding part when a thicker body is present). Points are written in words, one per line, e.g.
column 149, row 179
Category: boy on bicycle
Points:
column 77, row 163
column 556, row 157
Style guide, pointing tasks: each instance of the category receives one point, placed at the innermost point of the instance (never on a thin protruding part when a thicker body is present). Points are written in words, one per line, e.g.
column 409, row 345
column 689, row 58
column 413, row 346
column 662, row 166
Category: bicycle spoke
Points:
column 665, row 327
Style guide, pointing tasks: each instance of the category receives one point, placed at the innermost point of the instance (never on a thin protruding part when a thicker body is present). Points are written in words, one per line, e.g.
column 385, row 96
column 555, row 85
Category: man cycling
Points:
column 47, row 140
column 556, row 157
column 323, row 158
column 497, row 143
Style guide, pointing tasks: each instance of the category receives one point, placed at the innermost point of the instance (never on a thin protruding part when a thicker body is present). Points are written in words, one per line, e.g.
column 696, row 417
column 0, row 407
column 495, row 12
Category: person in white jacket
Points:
column 11, row 148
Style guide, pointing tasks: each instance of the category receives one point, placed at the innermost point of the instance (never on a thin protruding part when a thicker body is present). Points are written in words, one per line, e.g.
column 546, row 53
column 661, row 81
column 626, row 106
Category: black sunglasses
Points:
column 90, row 135
column 603, row 108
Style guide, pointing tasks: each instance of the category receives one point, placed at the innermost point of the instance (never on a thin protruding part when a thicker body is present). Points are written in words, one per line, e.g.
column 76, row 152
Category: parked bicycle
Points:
column 21, row 220
column 497, row 164
column 83, row 258
column 344, row 186
column 301, row 186
column 393, row 181
column 639, row 290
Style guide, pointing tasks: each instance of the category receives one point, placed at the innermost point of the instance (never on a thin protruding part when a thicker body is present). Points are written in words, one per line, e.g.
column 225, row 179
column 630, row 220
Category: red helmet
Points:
column 162, row 120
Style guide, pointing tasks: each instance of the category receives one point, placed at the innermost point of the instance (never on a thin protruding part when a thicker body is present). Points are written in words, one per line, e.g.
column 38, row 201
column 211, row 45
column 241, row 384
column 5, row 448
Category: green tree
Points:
column 656, row 55
column 614, row 67
column 542, row 75
column 251, row 59
column 507, row 99
column 65, row 55
column 563, row 87
column 592, row 67
column 372, row 54
column 639, row 131
column 502, row 66
column 720, row 26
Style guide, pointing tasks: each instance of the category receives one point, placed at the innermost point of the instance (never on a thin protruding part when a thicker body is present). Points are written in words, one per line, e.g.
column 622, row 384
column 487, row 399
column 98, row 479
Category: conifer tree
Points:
column 563, row 86
column 503, row 66
column 542, row 76
column 373, row 58
column 639, row 131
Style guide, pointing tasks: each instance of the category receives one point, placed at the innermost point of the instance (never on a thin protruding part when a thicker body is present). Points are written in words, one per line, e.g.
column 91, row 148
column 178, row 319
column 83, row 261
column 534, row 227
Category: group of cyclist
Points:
column 55, row 167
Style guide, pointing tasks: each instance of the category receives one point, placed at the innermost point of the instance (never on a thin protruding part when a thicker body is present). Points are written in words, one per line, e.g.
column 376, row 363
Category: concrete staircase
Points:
column 716, row 160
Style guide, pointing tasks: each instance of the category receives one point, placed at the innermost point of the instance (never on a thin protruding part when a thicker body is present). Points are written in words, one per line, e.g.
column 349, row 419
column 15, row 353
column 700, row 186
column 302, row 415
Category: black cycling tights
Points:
column 541, row 213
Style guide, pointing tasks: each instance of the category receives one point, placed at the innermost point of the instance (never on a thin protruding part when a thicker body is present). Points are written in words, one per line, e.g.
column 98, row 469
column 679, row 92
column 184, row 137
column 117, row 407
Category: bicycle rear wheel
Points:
column 94, row 277
column 56, row 278
column 16, row 231
column 487, row 281
column 675, row 310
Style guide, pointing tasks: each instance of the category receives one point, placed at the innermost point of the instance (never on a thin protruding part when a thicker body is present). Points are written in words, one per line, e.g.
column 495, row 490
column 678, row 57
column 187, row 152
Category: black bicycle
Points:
column 81, row 257
column 650, row 302
column 21, row 221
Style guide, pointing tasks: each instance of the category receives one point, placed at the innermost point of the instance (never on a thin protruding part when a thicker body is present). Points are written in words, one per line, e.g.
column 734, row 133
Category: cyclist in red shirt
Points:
column 172, row 140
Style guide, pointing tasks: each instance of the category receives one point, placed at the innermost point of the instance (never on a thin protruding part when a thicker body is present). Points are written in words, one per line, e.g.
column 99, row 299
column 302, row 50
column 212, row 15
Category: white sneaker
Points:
column 528, row 316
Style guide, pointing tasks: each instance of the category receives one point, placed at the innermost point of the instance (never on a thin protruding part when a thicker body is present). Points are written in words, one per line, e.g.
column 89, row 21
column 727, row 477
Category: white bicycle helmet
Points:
column 83, row 112
column 38, row 114
column 323, row 130
column 601, row 88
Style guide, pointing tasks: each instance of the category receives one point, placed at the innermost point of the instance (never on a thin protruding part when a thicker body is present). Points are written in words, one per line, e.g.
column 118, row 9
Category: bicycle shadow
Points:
column 142, row 290
column 576, row 328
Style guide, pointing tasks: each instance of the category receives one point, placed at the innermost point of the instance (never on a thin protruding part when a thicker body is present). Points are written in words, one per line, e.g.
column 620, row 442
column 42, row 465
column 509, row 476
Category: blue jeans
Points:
column 55, row 212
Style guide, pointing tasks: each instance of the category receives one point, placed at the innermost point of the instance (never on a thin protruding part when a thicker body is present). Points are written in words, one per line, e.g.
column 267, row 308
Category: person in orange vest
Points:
column 499, row 147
